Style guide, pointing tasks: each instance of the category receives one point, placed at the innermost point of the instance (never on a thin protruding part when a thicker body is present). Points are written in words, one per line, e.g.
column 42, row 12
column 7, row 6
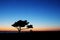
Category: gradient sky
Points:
column 37, row 12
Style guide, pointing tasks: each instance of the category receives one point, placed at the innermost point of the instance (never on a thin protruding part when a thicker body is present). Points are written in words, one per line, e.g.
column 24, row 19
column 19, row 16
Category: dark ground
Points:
column 49, row 35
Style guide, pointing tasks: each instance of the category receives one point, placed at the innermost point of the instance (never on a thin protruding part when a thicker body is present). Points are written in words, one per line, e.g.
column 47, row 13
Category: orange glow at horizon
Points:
column 34, row 29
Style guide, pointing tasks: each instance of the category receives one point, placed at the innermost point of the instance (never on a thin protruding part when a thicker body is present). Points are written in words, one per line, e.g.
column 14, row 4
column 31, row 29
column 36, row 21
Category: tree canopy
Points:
column 20, row 23
column 30, row 26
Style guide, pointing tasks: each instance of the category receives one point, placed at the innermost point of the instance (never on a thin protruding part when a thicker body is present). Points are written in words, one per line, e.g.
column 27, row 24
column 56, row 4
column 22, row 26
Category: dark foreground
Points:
column 49, row 35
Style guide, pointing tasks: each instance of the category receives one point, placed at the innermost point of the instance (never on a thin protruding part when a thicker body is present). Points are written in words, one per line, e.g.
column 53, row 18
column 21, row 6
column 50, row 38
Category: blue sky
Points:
column 37, row 12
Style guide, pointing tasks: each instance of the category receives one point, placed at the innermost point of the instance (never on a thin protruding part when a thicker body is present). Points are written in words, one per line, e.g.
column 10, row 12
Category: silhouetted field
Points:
column 35, row 35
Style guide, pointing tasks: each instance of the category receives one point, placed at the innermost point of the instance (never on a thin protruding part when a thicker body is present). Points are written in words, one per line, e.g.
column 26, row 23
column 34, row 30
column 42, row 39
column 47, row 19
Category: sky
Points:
column 38, row 12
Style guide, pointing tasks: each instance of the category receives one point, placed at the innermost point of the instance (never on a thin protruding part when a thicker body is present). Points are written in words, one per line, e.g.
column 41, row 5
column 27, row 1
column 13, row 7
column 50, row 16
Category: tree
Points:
column 20, row 24
column 30, row 26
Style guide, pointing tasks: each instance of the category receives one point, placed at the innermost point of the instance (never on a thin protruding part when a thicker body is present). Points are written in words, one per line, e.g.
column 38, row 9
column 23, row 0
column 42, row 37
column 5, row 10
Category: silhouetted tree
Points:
column 30, row 26
column 20, row 24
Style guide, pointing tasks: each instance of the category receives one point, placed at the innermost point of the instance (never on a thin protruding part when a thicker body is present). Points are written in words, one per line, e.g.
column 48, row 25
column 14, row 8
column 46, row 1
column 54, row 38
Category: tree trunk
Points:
column 20, row 29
